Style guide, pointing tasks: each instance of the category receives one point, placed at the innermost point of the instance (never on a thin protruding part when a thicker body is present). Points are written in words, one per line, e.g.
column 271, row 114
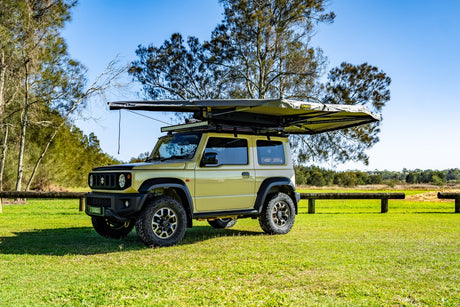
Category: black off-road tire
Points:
column 111, row 229
column 222, row 223
column 278, row 214
column 162, row 222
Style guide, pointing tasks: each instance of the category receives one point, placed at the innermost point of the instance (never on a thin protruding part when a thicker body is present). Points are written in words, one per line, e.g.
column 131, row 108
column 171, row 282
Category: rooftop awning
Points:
column 288, row 116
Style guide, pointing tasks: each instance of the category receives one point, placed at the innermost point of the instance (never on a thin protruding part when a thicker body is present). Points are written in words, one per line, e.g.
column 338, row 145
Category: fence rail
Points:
column 33, row 194
column 384, row 197
column 451, row 195
column 312, row 197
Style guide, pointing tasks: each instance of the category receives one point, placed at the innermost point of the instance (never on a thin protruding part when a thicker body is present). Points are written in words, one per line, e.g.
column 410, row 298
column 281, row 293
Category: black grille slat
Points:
column 98, row 202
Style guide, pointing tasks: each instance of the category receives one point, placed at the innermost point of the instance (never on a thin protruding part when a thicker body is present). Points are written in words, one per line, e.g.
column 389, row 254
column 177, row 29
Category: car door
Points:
column 225, row 176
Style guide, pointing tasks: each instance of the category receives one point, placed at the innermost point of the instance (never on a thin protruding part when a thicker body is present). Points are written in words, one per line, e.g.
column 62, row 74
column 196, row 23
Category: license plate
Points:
column 95, row 210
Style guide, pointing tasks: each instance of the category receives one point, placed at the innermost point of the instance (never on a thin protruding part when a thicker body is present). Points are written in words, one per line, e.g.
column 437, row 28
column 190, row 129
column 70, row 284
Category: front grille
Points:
column 98, row 202
column 108, row 181
column 105, row 181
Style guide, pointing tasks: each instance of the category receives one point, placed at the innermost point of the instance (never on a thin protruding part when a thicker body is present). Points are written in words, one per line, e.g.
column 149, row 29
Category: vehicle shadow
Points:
column 85, row 241
column 203, row 233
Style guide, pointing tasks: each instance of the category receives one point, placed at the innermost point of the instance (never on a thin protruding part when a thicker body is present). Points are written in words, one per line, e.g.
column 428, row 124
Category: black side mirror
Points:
column 209, row 158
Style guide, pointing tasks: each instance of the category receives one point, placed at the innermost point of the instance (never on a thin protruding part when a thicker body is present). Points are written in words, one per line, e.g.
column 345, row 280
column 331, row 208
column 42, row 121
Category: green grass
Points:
column 345, row 254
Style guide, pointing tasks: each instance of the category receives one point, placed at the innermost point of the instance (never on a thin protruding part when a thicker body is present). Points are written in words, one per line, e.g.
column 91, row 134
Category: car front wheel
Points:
column 162, row 222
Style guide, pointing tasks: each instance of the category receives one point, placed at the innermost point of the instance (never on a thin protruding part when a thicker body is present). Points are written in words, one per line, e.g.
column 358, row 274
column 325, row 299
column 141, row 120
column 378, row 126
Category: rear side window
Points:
column 270, row 152
column 229, row 151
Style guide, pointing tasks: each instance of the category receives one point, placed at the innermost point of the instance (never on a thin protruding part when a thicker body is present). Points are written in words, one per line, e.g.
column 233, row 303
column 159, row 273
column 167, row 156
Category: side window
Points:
column 229, row 151
column 270, row 152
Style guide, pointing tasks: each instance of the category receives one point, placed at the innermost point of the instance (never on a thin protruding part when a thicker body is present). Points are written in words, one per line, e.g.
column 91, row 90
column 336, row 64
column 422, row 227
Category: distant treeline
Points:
column 317, row 176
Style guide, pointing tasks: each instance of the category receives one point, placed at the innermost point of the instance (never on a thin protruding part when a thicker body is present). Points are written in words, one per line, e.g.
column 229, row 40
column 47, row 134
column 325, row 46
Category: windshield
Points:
column 177, row 146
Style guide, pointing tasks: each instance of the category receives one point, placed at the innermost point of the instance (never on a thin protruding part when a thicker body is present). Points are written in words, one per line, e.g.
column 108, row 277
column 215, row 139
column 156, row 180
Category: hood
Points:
column 170, row 164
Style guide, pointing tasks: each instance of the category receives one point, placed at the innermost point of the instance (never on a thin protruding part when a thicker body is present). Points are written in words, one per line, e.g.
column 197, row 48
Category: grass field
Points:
column 345, row 254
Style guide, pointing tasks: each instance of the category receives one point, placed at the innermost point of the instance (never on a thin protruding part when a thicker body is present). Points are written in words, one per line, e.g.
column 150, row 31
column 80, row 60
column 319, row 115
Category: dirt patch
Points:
column 430, row 196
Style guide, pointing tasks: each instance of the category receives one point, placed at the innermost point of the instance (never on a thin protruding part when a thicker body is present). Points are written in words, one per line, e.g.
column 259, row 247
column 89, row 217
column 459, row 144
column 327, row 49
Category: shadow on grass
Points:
column 336, row 212
column 203, row 233
column 377, row 213
column 85, row 241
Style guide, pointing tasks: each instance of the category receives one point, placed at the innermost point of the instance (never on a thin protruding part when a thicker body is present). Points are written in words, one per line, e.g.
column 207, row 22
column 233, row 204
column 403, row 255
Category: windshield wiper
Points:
column 174, row 157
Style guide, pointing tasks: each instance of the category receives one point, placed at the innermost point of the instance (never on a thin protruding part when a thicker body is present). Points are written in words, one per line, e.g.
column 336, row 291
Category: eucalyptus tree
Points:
column 39, row 45
column 7, row 25
column 71, row 94
column 42, row 88
column 266, row 46
column 263, row 49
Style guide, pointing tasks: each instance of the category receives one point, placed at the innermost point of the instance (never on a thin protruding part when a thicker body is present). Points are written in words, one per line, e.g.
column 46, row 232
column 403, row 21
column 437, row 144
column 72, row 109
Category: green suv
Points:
column 232, row 162
column 201, row 174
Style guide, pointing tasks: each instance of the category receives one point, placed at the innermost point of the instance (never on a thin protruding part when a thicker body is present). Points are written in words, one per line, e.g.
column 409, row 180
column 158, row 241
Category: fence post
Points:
column 384, row 208
column 82, row 204
column 457, row 205
column 311, row 205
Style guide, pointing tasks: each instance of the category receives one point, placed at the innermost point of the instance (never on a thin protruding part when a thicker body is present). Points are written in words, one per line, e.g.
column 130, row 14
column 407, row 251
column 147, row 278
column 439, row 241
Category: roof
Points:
column 288, row 116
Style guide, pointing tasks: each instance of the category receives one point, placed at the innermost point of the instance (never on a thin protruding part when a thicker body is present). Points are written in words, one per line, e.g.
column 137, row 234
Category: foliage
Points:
column 175, row 71
column 348, row 85
column 266, row 47
column 406, row 257
column 262, row 49
column 435, row 177
column 71, row 156
column 41, row 88
column 317, row 176
column 141, row 158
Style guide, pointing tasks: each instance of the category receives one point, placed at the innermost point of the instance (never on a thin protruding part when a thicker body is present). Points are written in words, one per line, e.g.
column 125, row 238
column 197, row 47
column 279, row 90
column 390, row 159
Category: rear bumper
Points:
column 118, row 206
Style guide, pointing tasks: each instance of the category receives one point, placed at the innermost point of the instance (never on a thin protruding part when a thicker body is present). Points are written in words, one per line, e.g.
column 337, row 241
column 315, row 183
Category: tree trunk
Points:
column 2, row 164
column 2, row 106
column 42, row 155
column 2, row 86
column 22, row 141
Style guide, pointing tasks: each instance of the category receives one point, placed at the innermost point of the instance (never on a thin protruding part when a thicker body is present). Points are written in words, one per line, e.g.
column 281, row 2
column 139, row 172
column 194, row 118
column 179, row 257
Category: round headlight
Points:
column 121, row 181
column 91, row 180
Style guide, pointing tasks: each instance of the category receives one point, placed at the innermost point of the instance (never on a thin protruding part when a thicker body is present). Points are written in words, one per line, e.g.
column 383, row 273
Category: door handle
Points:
column 245, row 174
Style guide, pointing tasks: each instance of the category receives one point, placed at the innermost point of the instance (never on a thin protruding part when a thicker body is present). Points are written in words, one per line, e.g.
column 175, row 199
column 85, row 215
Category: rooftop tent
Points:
column 281, row 115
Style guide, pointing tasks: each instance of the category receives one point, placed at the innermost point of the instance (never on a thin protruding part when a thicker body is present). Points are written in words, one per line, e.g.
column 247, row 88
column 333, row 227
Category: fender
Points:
column 281, row 184
column 173, row 183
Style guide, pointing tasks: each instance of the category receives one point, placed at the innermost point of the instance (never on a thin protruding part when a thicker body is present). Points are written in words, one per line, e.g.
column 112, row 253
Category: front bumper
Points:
column 118, row 206
column 297, row 197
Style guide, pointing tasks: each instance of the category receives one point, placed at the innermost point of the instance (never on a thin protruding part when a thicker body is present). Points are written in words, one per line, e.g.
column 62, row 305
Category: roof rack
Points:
column 236, row 129
column 185, row 127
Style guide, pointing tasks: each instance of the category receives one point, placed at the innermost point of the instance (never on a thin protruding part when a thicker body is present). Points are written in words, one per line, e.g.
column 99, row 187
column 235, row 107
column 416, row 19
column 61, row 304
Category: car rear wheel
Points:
column 222, row 223
column 278, row 214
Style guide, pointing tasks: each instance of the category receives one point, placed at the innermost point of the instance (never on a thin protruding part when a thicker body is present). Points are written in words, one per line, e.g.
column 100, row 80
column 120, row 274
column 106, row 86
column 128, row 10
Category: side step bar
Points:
column 239, row 213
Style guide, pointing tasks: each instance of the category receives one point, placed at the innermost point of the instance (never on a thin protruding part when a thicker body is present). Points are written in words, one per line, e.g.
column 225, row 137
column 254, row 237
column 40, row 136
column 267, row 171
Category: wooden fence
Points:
column 451, row 195
column 33, row 194
column 312, row 197
column 384, row 197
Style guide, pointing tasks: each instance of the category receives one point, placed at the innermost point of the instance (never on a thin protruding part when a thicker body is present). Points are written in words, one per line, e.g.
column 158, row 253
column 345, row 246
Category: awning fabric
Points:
column 284, row 115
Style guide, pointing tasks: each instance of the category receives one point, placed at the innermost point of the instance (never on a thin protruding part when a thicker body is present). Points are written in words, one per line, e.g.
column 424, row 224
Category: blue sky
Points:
column 417, row 43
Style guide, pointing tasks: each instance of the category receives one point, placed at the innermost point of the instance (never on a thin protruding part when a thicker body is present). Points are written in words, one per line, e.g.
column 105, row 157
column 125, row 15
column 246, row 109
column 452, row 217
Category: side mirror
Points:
column 209, row 158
